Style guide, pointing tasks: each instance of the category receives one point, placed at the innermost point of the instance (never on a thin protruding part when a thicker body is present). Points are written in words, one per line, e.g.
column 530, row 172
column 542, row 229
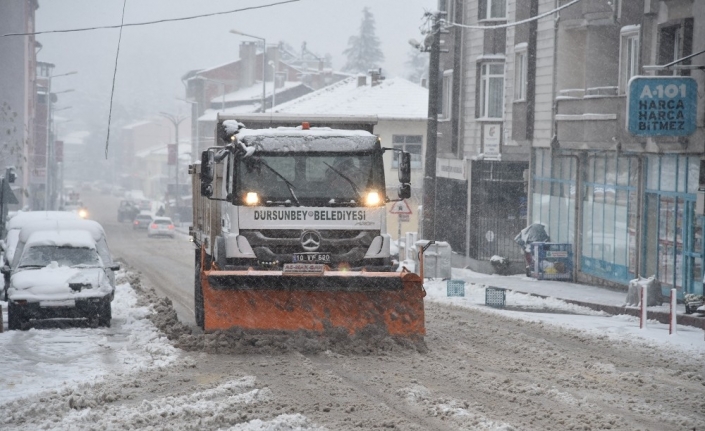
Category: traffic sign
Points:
column 400, row 207
column 660, row 106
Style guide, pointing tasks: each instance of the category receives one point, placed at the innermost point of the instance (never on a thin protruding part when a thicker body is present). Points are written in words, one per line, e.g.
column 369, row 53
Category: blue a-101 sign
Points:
column 661, row 106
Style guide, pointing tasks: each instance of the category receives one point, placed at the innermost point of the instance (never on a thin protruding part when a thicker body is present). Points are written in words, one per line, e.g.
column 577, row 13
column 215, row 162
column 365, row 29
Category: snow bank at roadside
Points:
column 553, row 311
column 49, row 359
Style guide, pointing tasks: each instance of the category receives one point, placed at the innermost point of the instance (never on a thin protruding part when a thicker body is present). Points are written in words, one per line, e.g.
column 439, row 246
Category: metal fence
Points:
column 496, row 237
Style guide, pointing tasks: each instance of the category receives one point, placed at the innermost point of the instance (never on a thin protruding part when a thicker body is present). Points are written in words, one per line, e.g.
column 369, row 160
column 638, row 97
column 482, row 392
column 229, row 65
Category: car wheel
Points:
column 105, row 313
column 14, row 319
column 198, row 294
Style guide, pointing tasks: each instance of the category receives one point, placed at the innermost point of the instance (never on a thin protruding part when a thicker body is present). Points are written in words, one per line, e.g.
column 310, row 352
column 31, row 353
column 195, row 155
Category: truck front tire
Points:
column 198, row 293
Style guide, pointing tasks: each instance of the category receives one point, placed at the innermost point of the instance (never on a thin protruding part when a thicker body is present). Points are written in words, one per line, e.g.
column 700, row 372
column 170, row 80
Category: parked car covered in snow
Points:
column 12, row 236
column 61, row 270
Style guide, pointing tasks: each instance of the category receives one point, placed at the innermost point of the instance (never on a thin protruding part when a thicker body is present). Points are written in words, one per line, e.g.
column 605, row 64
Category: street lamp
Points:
column 175, row 120
column 194, row 124
column 49, row 142
column 264, row 61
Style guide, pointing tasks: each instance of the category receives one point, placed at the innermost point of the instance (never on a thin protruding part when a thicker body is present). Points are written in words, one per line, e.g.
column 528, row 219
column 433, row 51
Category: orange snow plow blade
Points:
column 351, row 301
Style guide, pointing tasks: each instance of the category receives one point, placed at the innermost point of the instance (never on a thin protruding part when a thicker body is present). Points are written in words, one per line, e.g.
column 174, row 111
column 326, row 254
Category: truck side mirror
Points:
column 207, row 166
column 404, row 191
column 207, row 173
column 404, row 167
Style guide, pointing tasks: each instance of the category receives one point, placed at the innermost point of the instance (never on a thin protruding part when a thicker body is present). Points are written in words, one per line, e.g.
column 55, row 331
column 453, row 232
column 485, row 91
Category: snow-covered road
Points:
column 549, row 366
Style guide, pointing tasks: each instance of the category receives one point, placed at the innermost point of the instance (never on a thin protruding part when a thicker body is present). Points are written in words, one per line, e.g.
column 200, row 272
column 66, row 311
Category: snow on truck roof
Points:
column 70, row 238
column 297, row 139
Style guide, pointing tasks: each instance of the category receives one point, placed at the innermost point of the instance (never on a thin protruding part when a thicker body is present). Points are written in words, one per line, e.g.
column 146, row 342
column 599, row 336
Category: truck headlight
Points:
column 251, row 198
column 372, row 199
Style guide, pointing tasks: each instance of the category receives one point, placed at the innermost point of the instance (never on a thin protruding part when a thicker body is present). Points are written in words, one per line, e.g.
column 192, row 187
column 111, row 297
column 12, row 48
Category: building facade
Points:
column 625, row 199
column 547, row 82
column 17, row 90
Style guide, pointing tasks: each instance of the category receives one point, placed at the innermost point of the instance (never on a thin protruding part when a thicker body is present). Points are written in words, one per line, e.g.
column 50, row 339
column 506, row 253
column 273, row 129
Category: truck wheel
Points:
column 198, row 294
column 105, row 315
column 14, row 320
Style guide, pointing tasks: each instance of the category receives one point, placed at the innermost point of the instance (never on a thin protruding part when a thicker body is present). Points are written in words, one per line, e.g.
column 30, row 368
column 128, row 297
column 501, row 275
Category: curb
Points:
column 614, row 310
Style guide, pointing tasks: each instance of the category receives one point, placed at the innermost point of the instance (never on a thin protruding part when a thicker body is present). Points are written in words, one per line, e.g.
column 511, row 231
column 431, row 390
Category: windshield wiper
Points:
column 288, row 183
column 352, row 183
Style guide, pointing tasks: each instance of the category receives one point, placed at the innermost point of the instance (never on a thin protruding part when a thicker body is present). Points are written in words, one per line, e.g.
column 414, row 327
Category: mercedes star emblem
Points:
column 310, row 240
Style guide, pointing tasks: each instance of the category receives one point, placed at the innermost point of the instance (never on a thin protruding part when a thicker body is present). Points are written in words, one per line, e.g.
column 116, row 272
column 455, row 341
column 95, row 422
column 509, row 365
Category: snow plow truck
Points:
column 290, row 231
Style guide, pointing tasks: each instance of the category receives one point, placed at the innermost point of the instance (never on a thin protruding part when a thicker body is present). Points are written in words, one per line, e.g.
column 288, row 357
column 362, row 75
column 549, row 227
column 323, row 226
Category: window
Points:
column 447, row 95
column 491, row 91
column 520, row 74
column 492, row 9
column 675, row 41
column 628, row 56
column 410, row 144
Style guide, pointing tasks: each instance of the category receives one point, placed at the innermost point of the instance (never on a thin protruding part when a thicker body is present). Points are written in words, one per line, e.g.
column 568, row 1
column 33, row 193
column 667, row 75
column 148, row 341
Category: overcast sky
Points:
column 154, row 57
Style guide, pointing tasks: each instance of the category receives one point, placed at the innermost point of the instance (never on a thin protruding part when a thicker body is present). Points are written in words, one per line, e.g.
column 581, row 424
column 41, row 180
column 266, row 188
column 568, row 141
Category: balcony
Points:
column 593, row 119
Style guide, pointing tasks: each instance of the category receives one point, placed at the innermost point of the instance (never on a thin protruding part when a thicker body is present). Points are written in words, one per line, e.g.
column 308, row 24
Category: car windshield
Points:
column 42, row 255
column 143, row 218
column 310, row 179
column 166, row 222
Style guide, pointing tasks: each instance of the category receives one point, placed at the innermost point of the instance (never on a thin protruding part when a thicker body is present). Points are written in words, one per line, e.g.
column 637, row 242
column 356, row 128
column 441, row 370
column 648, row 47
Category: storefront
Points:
column 625, row 224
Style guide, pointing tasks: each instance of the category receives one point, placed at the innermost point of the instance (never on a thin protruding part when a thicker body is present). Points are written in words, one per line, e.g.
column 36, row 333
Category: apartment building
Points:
column 548, row 82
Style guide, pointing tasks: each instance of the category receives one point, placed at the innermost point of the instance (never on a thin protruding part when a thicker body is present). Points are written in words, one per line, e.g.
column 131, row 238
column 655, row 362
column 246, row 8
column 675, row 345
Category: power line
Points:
column 135, row 24
column 112, row 91
column 513, row 24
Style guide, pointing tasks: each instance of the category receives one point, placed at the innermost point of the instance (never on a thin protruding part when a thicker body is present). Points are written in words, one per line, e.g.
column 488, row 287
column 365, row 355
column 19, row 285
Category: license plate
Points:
column 303, row 269
column 311, row 257
column 64, row 303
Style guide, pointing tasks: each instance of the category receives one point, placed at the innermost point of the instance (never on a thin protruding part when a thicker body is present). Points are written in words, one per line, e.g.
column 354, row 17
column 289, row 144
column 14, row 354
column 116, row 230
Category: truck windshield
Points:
column 313, row 179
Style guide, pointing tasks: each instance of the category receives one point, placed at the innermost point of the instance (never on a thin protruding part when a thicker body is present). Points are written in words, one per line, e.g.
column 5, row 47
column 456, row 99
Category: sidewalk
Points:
column 596, row 298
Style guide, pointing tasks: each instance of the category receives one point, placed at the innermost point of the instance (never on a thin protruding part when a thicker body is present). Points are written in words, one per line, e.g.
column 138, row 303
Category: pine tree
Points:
column 416, row 65
column 363, row 50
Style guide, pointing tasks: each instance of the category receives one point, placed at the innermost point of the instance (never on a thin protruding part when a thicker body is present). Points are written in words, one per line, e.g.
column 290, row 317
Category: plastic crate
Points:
column 495, row 296
column 455, row 287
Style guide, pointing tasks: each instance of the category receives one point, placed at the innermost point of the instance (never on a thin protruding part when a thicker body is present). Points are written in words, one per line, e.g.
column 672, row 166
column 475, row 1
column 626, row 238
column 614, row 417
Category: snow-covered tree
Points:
column 363, row 50
column 416, row 65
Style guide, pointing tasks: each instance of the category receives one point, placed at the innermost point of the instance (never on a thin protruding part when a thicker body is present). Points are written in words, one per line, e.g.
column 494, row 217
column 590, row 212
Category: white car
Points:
column 61, row 273
column 161, row 226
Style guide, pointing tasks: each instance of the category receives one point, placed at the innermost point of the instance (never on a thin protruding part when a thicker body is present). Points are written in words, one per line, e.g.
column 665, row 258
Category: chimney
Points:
column 376, row 76
column 424, row 83
column 361, row 80
column 248, row 56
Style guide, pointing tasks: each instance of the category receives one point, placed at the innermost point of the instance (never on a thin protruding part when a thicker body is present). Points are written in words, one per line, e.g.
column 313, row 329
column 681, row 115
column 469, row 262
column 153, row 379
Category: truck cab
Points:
column 299, row 195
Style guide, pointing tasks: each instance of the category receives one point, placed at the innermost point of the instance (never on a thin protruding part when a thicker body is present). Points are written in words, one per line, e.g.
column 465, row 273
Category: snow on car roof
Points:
column 21, row 219
column 65, row 238
column 94, row 228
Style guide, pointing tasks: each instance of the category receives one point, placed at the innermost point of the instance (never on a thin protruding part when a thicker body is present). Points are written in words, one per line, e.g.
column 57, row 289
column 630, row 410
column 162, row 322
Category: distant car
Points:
column 142, row 221
column 127, row 211
column 161, row 226
column 62, row 274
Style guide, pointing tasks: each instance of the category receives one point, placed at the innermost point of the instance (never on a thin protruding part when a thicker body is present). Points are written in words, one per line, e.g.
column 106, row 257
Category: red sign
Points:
column 173, row 151
column 59, row 151
column 400, row 207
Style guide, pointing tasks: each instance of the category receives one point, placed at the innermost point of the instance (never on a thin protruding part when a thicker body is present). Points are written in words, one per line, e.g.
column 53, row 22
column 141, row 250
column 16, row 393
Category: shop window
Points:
column 491, row 90
column 492, row 9
column 412, row 145
column 628, row 57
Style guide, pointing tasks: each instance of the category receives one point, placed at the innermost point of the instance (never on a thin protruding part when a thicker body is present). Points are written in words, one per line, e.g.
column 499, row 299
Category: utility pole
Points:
column 429, row 182
column 175, row 120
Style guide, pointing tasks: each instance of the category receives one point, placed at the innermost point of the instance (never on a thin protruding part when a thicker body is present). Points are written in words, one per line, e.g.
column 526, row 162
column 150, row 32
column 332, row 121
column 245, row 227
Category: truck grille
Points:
column 272, row 244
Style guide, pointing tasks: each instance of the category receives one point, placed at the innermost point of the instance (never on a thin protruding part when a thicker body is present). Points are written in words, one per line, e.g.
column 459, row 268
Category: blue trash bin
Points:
column 552, row 261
